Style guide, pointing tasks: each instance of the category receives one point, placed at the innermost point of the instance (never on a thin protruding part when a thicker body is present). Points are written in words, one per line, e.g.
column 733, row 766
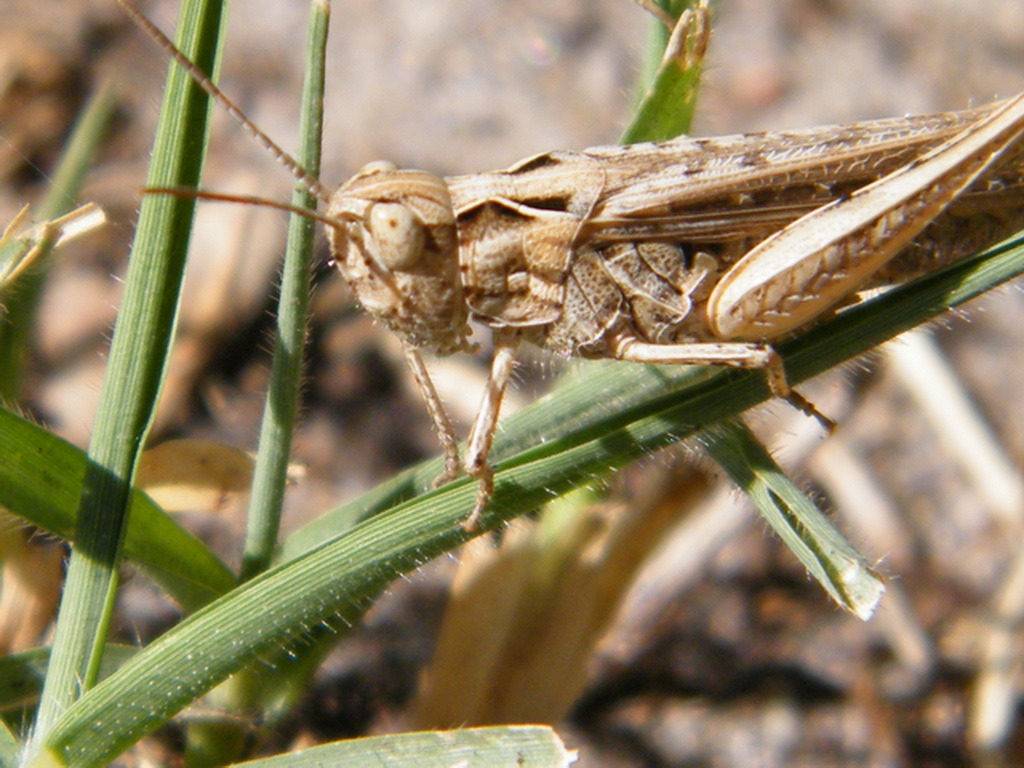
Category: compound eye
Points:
column 398, row 235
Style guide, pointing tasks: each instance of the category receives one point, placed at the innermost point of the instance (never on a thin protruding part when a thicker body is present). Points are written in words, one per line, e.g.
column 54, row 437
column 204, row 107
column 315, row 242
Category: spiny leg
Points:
column 760, row 357
column 482, row 434
column 775, row 374
column 442, row 424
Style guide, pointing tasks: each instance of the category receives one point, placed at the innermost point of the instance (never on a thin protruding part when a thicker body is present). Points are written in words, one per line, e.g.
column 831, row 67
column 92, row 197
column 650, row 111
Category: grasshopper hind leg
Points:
column 808, row 408
column 775, row 374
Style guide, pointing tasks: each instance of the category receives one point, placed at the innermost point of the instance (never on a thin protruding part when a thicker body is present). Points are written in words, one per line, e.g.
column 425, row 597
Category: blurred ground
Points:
column 749, row 665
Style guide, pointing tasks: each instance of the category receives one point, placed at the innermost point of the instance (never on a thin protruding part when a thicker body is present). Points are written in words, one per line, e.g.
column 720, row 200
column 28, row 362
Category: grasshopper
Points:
column 697, row 251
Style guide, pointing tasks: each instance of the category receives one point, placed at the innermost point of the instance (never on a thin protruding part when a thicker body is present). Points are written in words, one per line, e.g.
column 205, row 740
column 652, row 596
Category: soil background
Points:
column 456, row 86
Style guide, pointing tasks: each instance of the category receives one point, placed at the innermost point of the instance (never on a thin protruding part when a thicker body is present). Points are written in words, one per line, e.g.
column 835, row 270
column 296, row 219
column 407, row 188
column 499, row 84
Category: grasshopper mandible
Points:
column 689, row 251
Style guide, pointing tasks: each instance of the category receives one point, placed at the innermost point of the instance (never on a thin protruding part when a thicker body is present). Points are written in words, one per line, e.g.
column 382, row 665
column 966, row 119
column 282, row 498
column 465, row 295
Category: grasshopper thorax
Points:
column 396, row 246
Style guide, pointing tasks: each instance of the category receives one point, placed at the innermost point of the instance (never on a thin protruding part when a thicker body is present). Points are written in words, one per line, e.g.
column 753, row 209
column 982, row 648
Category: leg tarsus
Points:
column 779, row 386
column 805, row 406
column 484, row 476
column 452, row 466
column 447, row 475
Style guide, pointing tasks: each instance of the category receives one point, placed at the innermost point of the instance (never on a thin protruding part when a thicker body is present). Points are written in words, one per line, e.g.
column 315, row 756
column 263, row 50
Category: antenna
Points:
column 304, row 177
column 224, row 197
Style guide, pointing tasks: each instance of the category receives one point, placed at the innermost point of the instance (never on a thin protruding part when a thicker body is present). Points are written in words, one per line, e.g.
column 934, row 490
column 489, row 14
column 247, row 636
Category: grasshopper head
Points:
column 395, row 245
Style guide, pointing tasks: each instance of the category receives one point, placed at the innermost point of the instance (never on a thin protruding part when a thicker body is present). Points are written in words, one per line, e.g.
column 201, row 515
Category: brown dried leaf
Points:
column 194, row 474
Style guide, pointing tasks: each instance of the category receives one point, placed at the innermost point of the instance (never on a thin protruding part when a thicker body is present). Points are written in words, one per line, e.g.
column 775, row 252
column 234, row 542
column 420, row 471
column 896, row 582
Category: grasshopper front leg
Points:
column 438, row 415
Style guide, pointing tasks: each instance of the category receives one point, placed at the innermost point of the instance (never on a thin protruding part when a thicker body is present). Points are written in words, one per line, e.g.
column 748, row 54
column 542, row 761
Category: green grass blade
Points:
column 667, row 107
column 828, row 557
column 330, row 585
column 10, row 749
column 526, row 746
column 22, row 674
column 270, row 475
column 41, row 482
column 135, row 372
column 20, row 304
column 89, row 130
column 222, row 741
